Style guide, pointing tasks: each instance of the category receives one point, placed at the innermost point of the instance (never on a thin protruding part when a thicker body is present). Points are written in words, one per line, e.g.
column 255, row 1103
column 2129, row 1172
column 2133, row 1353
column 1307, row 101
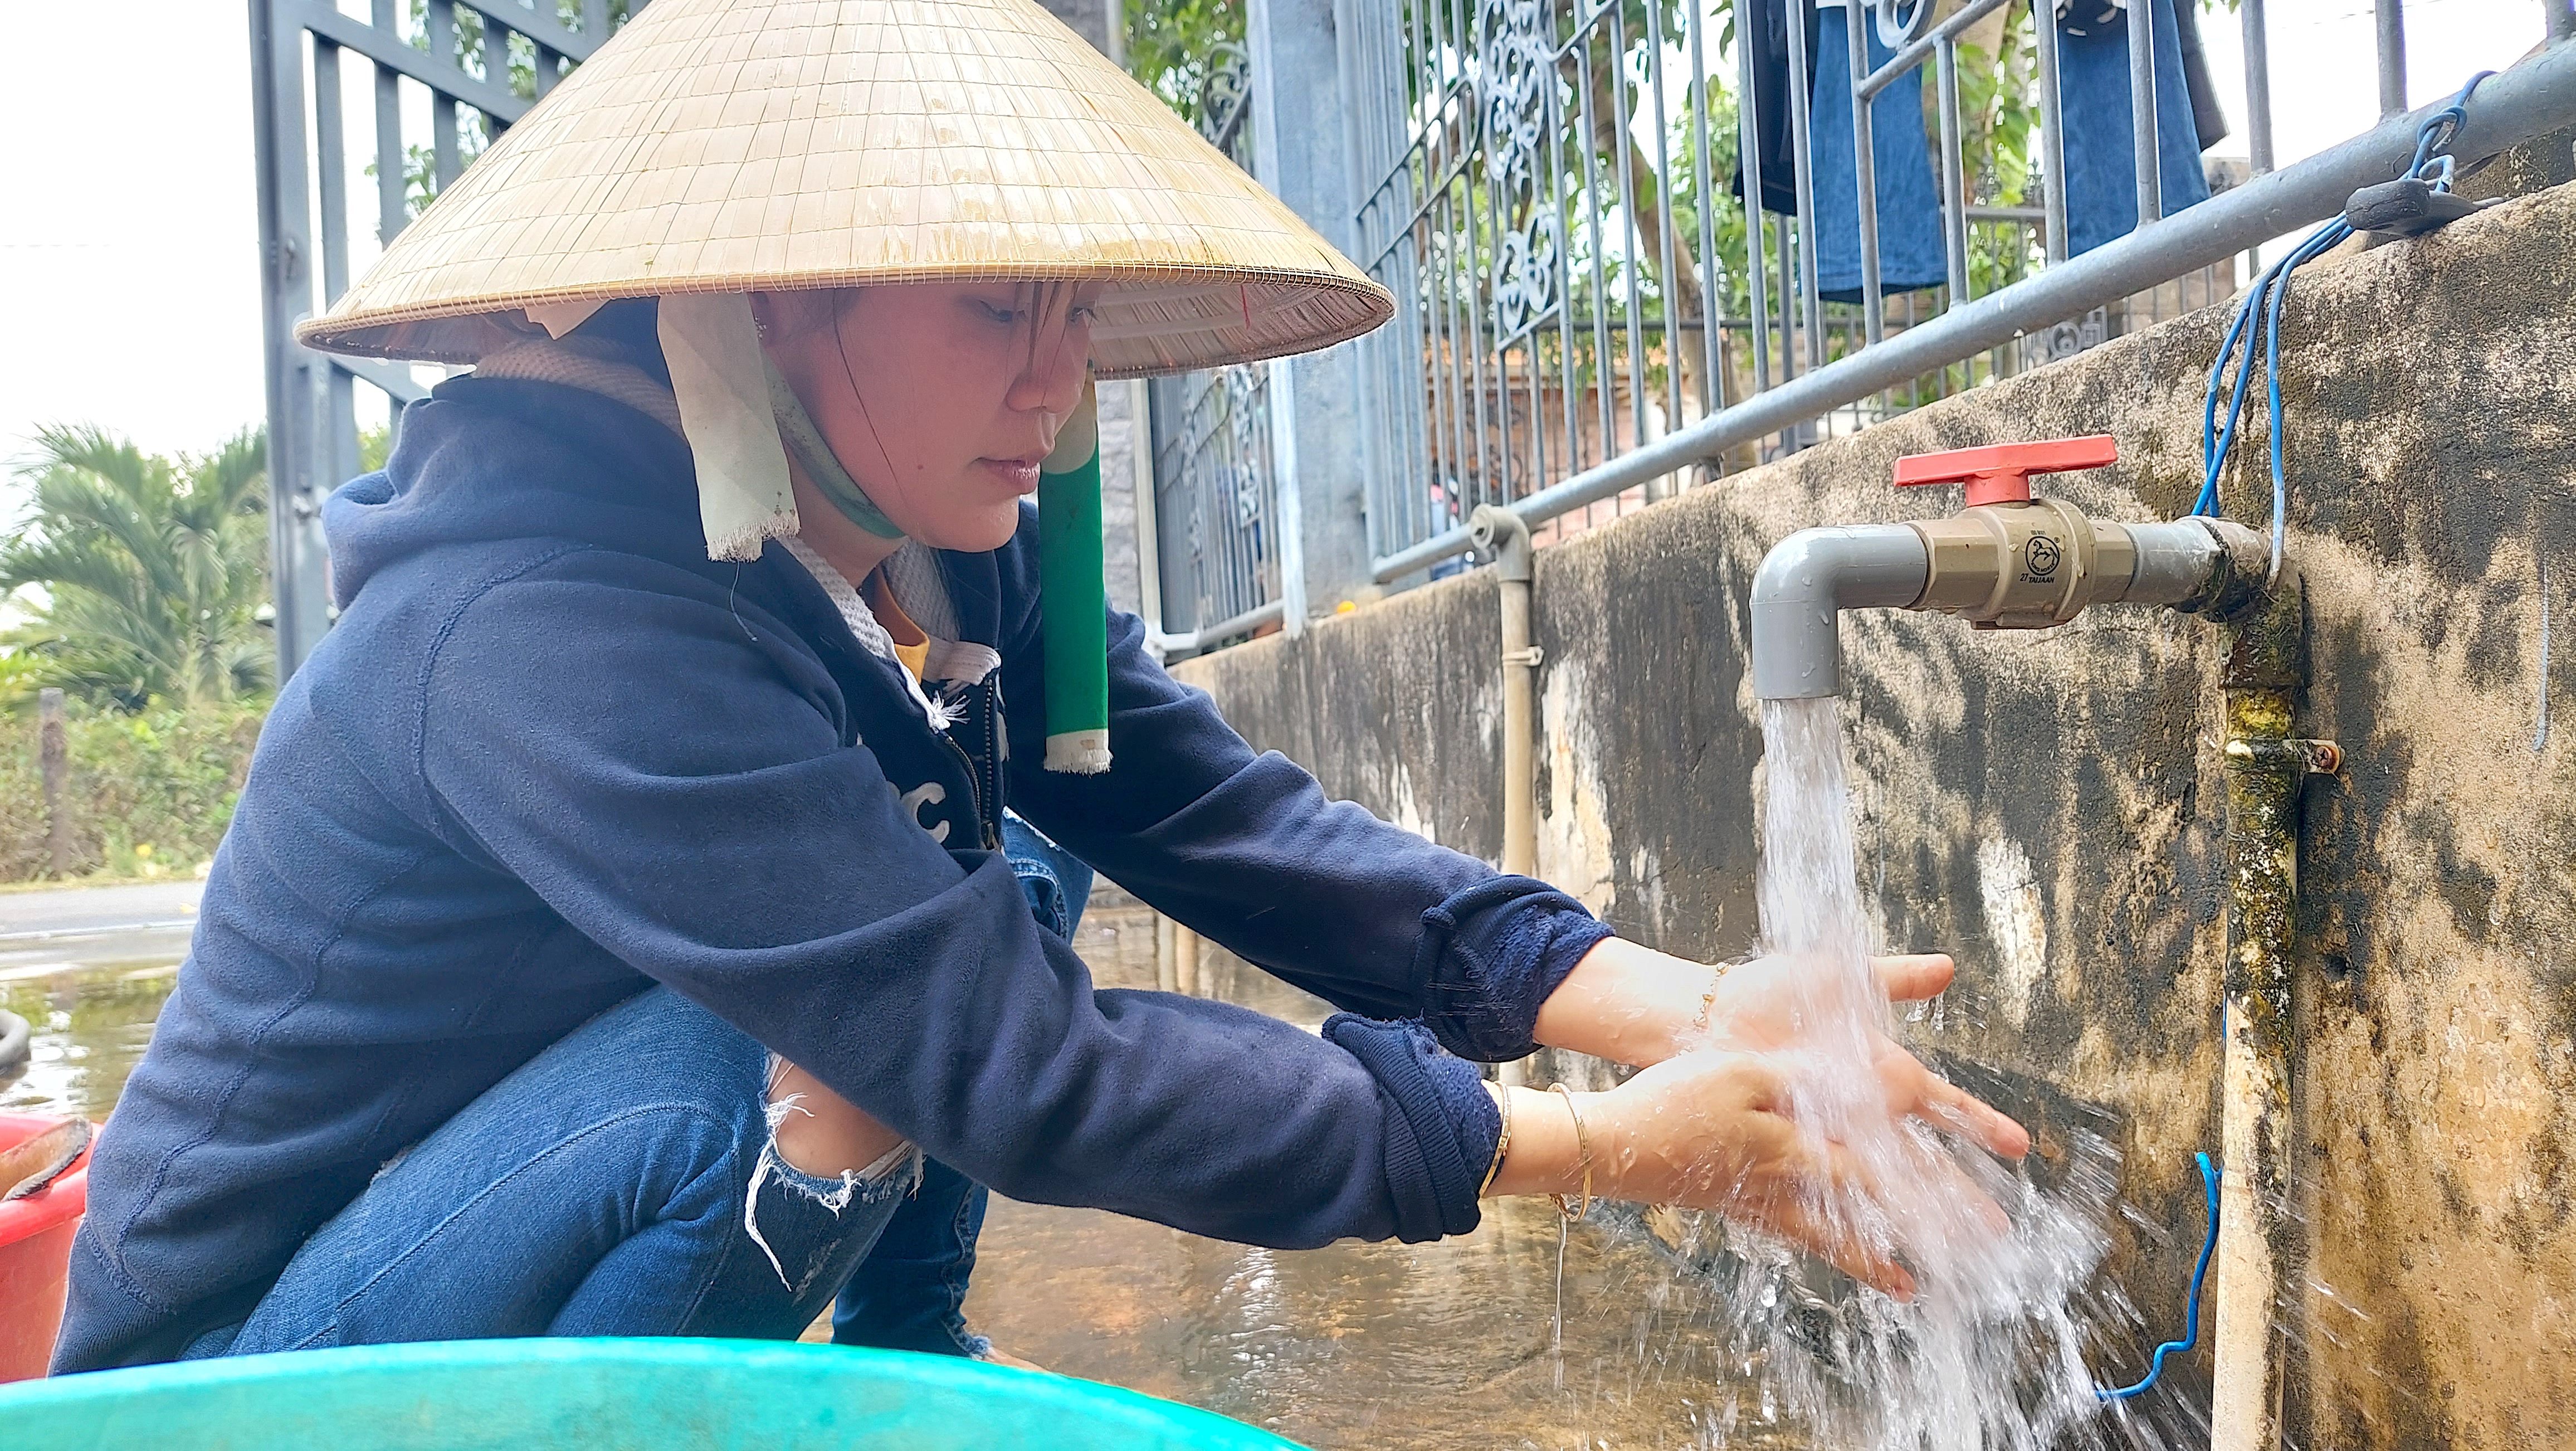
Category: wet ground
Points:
column 1434, row 1346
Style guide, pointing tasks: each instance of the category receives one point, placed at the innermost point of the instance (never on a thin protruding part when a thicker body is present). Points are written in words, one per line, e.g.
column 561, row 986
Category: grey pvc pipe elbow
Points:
column 1804, row 585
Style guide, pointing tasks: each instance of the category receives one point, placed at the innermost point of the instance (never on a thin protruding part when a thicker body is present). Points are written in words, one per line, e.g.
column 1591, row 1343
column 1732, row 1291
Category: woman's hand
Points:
column 1716, row 1129
column 1634, row 1005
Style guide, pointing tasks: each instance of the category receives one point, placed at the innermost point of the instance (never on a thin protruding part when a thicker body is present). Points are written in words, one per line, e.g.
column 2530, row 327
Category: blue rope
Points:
column 2191, row 1310
column 2260, row 311
column 2258, row 319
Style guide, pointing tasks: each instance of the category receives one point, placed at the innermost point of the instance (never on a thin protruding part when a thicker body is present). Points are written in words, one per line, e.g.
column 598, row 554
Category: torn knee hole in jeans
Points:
column 901, row 1164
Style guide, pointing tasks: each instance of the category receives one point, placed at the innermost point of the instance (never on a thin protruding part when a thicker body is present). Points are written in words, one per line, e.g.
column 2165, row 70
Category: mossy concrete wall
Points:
column 2049, row 806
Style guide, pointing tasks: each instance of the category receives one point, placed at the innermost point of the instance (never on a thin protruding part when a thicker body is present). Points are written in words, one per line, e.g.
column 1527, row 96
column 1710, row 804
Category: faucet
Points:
column 2005, row 562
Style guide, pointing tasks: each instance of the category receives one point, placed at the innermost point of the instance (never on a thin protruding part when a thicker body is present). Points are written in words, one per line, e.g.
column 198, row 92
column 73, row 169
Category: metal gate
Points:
column 471, row 67
column 1215, row 484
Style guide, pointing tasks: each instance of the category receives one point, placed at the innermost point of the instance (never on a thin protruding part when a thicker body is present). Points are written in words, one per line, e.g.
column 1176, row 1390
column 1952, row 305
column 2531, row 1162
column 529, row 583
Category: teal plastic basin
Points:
column 601, row 1395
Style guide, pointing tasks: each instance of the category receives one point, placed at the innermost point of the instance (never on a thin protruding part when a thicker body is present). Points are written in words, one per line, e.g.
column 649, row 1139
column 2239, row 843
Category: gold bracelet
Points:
column 1583, row 1153
column 1503, row 1142
column 1708, row 1000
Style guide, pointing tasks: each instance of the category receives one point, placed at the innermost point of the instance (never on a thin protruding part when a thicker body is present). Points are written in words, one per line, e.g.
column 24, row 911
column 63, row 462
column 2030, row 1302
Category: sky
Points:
column 129, row 231
column 129, row 239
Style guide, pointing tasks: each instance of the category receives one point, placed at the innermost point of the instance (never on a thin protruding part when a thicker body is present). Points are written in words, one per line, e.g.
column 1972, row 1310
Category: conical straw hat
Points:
column 759, row 145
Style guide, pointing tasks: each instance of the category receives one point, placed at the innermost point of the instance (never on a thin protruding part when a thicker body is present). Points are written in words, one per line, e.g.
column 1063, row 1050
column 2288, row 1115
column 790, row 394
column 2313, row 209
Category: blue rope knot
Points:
column 2191, row 1309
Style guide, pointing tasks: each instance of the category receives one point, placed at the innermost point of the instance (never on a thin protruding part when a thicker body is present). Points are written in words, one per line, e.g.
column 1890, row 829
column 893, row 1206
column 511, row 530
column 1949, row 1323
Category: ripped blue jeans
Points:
column 619, row 1183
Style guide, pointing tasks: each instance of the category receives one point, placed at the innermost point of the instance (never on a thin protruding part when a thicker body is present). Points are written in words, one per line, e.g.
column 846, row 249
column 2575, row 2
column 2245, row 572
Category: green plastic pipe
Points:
column 1073, row 599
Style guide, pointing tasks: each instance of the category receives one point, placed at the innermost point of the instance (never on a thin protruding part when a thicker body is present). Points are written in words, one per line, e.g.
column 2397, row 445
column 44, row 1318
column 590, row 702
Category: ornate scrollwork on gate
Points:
column 1246, row 420
column 1519, row 94
column 1225, row 97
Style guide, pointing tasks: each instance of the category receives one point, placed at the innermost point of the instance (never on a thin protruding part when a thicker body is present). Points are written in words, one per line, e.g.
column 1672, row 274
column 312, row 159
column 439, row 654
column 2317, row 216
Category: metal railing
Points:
column 475, row 66
column 1590, row 316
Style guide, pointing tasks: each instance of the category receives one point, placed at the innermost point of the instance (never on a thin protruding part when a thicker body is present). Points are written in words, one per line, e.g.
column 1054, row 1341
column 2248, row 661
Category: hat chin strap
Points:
column 805, row 444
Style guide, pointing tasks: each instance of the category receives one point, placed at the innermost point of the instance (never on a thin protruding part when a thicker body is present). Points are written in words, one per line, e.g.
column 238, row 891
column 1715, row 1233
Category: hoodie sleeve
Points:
column 1246, row 850
column 668, row 776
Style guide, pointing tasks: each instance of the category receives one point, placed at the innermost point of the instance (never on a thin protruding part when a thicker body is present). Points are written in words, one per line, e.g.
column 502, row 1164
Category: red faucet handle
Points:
column 2000, row 474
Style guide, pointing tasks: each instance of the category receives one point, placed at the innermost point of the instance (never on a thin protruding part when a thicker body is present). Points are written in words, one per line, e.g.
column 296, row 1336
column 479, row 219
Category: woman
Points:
column 613, row 936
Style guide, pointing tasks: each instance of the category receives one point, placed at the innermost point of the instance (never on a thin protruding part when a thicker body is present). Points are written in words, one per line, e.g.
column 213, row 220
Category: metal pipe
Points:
column 1811, row 314
column 1191, row 640
column 2258, row 1250
column 2258, row 87
column 1954, row 186
column 1185, row 961
column 1669, row 287
column 2143, row 140
column 299, row 574
column 443, row 141
column 1865, row 176
column 393, row 202
column 2052, row 128
column 1959, row 23
column 1503, row 537
column 1140, row 477
column 1748, row 147
column 2390, row 17
column 2535, row 96
column 1713, row 379
column 2561, row 19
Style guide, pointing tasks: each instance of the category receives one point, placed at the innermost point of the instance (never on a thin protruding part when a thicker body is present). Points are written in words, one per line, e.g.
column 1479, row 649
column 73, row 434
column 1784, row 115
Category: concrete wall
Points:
column 2049, row 805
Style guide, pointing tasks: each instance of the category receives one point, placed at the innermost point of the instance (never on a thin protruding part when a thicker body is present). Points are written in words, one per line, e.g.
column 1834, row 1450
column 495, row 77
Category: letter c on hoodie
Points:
column 929, row 793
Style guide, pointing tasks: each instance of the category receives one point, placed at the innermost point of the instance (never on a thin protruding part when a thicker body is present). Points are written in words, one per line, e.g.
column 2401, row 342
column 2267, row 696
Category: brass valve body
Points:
column 2022, row 566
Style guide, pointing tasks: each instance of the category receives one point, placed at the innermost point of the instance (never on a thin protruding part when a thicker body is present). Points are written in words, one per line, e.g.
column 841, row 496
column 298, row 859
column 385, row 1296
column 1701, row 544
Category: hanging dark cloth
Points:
column 1762, row 28
column 2208, row 119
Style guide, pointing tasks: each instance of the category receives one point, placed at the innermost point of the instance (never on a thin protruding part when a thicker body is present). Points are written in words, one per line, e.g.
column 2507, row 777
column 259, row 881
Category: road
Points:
column 43, row 932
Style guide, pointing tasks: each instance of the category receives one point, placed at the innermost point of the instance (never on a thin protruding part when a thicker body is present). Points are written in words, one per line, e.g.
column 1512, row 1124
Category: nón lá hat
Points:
column 717, row 148
column 738, row 146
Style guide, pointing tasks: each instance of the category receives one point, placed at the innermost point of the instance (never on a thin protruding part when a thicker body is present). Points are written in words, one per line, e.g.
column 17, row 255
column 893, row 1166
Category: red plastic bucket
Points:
column 35, row 1257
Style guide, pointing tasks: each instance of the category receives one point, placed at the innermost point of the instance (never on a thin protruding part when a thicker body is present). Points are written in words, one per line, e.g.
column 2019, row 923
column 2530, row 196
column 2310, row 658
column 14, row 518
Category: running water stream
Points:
column 1989, row 1355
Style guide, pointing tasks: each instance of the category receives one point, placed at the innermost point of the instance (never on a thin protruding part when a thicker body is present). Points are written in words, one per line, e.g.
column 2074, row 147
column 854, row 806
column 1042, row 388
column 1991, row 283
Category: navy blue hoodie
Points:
column 551, row 754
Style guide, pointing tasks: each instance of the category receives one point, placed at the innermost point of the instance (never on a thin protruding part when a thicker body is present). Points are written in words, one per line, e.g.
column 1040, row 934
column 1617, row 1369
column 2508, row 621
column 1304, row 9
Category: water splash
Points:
column 1990, row 1354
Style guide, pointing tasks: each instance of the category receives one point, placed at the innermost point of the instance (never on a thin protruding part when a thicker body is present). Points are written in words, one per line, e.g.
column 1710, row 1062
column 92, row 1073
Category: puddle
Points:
column 88, row 1026
column 1447, row 1345
column 1355, row 1345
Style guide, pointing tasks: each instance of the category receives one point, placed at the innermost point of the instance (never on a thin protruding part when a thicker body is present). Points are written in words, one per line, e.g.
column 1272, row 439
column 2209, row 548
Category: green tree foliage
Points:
column 151, row 571
column 150, row 793
column 519, row 68
column 1169, row 44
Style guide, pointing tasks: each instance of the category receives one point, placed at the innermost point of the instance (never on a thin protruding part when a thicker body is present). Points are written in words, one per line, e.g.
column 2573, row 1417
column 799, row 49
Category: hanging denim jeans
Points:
column 910, row 1291
column 1909, row 205
column 2101, row 159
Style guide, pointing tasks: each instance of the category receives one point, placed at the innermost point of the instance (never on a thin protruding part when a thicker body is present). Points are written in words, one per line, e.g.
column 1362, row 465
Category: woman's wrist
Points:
column 1547, row 1153
column 1628, row 1003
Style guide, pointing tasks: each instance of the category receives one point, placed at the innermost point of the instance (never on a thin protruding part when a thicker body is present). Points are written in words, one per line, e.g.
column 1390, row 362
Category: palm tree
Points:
column 153, row 570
